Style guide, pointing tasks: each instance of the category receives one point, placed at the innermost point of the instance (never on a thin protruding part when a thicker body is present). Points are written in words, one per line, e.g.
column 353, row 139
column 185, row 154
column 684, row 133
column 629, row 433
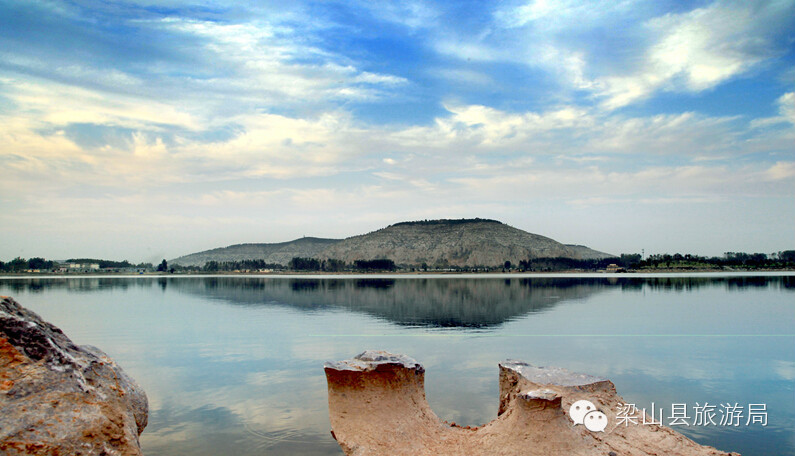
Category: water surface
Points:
column 234, row 363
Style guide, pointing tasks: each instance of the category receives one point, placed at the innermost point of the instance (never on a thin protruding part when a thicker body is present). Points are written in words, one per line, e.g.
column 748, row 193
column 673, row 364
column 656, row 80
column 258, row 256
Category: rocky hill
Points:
column 464, row 242
column 582, row 252
column 281, row 253
column 437, row 243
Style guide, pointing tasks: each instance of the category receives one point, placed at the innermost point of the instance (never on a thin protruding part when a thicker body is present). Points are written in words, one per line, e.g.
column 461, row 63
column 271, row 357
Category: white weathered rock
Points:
column 372, row 359
column 377, row 407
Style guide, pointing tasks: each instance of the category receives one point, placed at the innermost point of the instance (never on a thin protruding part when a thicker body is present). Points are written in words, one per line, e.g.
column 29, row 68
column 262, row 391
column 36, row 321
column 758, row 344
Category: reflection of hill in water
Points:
column 427, row 302
column 439, row 302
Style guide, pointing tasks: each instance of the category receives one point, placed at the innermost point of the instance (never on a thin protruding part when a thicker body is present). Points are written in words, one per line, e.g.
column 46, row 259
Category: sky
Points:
column 143, row 130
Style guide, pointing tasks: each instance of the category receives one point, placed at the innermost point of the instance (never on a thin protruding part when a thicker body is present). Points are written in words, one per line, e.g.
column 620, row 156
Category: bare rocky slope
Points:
column 280, row 253
column 438, row 243
column 466, row 242
column 586, row 253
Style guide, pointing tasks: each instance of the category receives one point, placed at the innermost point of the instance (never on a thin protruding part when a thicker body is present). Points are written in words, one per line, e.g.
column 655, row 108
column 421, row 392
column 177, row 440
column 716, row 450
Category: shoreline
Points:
column 416, row 275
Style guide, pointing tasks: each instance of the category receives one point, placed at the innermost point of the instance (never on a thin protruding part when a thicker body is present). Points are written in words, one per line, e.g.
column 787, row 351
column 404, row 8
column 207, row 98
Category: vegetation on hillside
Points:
column 249, row 265
column 427, row 222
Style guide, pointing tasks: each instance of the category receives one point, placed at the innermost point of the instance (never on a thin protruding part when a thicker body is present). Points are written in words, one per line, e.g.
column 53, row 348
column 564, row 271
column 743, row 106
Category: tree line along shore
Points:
column 741, row 261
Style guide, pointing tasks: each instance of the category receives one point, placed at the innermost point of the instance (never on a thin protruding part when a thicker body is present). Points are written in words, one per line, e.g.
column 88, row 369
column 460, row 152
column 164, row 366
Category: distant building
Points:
column 78, row 267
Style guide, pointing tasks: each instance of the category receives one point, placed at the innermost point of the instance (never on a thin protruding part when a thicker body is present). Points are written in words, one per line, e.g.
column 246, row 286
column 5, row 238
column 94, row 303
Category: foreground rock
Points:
column 58, row 398
column 377, row 406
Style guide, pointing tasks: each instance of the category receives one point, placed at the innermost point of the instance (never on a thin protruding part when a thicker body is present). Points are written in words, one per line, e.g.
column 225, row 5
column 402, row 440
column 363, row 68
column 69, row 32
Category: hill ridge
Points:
column 444, row 222
column 437, row 243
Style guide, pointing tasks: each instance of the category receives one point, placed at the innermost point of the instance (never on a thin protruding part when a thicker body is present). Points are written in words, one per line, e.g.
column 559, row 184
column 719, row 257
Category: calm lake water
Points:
column 234, row 365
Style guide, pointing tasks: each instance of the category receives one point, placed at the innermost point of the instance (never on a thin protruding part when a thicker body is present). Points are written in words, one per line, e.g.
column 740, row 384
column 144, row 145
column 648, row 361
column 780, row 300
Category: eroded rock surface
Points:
column 377, row 407
column 58, row 398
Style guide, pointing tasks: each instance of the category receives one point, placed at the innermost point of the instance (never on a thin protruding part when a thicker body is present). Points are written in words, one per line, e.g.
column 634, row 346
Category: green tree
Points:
column 304, row 264
column 375, row 265
column 40, row 263
column 163, row 266
column 334, row 265
column 629, row 260
column 18, row 264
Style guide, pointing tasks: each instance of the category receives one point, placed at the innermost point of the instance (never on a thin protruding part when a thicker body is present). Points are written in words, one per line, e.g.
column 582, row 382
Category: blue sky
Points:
column 144, row 130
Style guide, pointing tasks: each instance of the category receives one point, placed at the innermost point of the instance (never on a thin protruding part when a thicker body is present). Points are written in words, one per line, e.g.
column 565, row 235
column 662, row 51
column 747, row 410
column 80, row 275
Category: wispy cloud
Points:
column 786, row 112
column 690, row 51
column 343, row 115
column 699, row 49
column 781, row 170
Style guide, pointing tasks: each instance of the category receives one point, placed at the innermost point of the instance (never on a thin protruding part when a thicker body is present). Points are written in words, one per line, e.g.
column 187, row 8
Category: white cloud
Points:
column 679, row 200
column 780, row 171
column 699, row 49
column 253, row 128
column 535, row 10
column 528, row 35
column 477, row 125
column 583, row 158
column 159, row 146
column 266, row 63
column 650, row 185
column 559, row 14
column 786, row 107
column 686, row 134
column 372, row 78
column 207, row 68
column 690, row 51
column 411, row 14
column 266, row 144
column 541, row 34
column 576, row 132
column 61, row 104
column 593, row 201
column 786, row 112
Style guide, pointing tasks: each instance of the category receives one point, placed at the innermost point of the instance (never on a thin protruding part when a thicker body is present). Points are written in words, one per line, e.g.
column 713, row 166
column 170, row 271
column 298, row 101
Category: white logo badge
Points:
column 585, row 412
column 595, row 421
